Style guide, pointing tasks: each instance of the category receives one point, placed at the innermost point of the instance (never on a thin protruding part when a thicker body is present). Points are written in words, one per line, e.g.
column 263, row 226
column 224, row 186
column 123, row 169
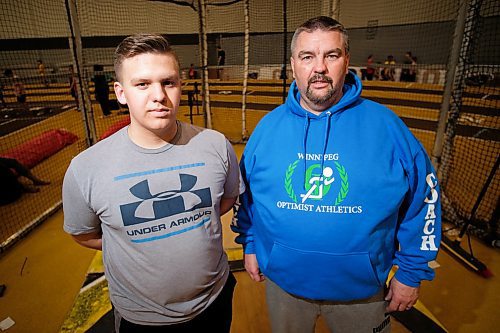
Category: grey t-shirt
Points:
column 158, row 210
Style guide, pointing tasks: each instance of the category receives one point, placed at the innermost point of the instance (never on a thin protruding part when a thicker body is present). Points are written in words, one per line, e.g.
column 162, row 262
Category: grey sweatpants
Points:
column 291, row 314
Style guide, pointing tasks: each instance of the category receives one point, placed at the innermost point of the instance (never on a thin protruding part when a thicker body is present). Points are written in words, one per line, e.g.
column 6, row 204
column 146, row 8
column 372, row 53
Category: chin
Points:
column 159, row 124
column 164, row 123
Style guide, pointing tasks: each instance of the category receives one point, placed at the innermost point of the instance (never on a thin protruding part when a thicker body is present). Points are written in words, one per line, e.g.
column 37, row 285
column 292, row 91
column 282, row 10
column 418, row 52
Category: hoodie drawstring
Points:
column 306, row 129
column 325, row 140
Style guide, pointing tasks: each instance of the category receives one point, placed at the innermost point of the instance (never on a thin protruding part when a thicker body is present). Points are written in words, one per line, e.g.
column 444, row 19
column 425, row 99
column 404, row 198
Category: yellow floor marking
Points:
column 419, row 305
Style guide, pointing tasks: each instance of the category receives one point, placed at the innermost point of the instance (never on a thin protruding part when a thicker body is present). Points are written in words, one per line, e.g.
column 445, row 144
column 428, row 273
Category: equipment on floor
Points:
column 453, row 246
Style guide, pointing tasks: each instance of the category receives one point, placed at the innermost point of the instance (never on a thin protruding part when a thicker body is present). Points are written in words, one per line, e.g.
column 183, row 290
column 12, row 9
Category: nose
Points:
column 319, row 65
column 159, row 94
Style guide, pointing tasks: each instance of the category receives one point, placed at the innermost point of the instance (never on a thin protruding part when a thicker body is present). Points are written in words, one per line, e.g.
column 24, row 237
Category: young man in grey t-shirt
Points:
column 154, row 202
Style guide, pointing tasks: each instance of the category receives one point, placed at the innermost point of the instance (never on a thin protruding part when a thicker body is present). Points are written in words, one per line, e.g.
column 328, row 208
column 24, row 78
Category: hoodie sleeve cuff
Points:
column 249, row 248
column 405, row 279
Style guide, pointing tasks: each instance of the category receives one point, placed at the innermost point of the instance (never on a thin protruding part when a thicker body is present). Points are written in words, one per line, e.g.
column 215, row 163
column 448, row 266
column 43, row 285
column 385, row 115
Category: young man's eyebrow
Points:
column 135, row 79
column 172, row 77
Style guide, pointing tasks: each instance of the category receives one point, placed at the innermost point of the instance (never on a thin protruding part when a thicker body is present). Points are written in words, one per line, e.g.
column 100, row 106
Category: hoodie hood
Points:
column 352, row 91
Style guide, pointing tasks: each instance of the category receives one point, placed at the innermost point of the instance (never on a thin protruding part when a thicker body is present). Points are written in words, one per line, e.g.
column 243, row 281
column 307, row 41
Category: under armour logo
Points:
column 163, row 204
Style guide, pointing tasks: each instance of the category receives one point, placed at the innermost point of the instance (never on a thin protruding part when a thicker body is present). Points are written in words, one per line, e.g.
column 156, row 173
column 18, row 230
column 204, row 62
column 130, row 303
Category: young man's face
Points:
column 150, row 86
column 319, row 64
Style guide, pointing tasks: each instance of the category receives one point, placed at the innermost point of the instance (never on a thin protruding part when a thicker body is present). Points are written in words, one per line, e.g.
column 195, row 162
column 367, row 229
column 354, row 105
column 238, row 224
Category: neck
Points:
column 317, row 109
column 151, row 139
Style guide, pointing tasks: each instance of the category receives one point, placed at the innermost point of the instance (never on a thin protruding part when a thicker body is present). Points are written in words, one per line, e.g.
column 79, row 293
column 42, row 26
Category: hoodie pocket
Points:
column 322, row 276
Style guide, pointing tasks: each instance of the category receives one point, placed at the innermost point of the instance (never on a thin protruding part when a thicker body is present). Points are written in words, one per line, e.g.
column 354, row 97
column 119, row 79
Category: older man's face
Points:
column 319, row 63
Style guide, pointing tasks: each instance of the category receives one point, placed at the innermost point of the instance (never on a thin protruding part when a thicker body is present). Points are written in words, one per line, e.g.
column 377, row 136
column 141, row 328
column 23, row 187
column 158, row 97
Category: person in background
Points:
column 221, row 61
column 388, row 72
column 409, row 73
column 19, row 90
column 370, row 71
column 101, row 89
column 338, row 193
column 153, row 205
column 42, row 72
column 12, row 188
column 2, row 97
column 73, row 85
column 8, row 76
column 192, row 72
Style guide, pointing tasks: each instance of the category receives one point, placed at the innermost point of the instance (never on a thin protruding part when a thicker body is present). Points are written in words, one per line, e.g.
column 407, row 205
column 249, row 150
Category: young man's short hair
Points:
column 138, row 44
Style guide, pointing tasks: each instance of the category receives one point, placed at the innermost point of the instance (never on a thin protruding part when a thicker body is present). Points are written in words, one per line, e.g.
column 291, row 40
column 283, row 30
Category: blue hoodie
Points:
column 335, row 200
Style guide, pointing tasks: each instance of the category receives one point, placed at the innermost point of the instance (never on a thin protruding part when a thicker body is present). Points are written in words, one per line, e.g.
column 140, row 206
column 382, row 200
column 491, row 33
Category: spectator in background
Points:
column 73, row 85
column 2, row 97
column 17, row 86
column 192, row 72
column 101, row 89
column 42, row 72
column 19, row 90
column 221, row 56
column 409, row 73
column 388, row 72
column 221, row 60
column 368, row 73
column 283, row 75
column 8, row 73
column 12, row 188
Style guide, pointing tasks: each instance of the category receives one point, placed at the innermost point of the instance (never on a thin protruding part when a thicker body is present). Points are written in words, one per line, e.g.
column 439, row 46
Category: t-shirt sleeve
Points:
column 79, row 218
column 234, row 185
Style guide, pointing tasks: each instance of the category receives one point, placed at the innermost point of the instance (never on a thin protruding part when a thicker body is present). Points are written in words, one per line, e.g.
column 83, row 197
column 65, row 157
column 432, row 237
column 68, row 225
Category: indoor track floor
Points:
column 44, row 272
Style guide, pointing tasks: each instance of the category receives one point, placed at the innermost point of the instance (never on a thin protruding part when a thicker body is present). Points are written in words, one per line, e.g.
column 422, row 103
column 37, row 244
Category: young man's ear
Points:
column 120, row 93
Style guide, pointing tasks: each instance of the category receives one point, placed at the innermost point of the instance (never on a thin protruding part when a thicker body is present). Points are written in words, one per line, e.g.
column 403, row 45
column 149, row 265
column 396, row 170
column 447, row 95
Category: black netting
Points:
column 75, row 40
column 470, row 178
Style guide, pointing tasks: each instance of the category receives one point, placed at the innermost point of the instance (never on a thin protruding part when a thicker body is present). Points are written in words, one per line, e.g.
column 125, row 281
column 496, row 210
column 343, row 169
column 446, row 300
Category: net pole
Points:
column 285, row 47
column 202, row 64
column 245, row 72
column 335, row 13
column 449, row 85
column 77, row 55
column 469, row 19
column 202, row 12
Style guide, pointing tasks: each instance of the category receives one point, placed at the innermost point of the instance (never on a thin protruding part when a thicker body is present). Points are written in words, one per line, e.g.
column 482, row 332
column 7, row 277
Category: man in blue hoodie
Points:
column 339, row 192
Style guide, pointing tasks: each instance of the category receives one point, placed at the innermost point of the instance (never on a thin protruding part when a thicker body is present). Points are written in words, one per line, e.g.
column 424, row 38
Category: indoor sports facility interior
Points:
column 50, row 50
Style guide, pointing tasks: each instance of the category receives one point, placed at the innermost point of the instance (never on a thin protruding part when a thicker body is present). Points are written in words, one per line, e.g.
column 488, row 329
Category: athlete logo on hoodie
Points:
column 318, row 182
column 325, row 187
